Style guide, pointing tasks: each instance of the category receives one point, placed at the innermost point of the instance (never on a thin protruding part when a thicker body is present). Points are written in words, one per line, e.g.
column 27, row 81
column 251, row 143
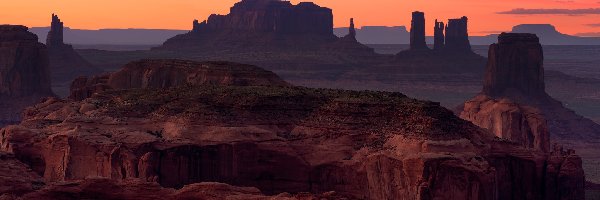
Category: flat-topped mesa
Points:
column 417, row 31
column 272, row 16
column 515, row 67
column 457, row 36
column 438, row 35
column 265, row 25
column 55, row 35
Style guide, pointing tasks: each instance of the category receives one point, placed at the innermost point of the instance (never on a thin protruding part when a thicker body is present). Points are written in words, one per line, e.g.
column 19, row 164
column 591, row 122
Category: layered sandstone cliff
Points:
column 65, row 64
column 24, row 76
column 279, row 138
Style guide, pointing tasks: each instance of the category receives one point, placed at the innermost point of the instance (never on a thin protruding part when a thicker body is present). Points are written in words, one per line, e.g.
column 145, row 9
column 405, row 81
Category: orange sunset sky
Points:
column 569, row 16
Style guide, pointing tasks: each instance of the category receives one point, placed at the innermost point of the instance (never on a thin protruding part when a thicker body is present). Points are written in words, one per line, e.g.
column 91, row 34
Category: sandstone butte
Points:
column 514, row 104
column 193, row 128
column 24, row 76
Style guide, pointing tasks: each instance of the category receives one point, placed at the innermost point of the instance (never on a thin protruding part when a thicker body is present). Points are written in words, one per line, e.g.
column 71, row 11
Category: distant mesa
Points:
column 265, row 25
column 24, row 73
column 65, row 63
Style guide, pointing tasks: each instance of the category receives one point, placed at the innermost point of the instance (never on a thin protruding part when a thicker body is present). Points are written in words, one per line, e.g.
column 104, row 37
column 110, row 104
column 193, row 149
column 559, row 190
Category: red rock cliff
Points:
column 280, row 138
column 24, row 76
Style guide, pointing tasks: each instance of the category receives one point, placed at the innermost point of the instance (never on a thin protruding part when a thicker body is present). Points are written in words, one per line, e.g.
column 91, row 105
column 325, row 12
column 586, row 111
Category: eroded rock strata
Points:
column 279, row 138
column 24, row 76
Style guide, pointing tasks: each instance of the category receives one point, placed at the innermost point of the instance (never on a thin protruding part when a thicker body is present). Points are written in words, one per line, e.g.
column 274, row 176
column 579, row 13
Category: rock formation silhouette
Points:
column 65, row 63
column 438, row 35
column 515, row 67
column 351, row 29
column 277, row 138
column 24, row 76
column 55, row 35
column 261, row 25
column 417, row 31
column 457, row 36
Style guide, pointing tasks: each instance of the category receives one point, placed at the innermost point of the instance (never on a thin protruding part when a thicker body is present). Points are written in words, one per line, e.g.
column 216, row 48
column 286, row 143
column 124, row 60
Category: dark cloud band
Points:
column 542, row 11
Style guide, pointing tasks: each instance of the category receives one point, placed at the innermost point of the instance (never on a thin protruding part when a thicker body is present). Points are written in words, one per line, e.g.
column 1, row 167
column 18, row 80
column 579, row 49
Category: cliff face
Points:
column 515, row 67
column 24, row 76
column 506, row 119
column 280, row 138
column 65, row 63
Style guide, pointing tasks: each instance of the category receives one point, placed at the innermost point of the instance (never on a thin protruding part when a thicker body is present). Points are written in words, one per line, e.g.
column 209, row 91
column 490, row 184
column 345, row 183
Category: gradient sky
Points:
column 569, row 16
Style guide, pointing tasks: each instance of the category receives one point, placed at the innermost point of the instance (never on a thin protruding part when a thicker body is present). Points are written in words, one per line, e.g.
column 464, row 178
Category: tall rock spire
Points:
column 438, row 35
column 417, row 31
column 352, row 30
column 55, row 35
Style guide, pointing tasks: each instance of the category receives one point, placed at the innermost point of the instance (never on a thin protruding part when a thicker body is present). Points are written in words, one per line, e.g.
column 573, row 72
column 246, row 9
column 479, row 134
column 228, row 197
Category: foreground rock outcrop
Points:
column 24, row 76
column 278, row 138
column 65, row 63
